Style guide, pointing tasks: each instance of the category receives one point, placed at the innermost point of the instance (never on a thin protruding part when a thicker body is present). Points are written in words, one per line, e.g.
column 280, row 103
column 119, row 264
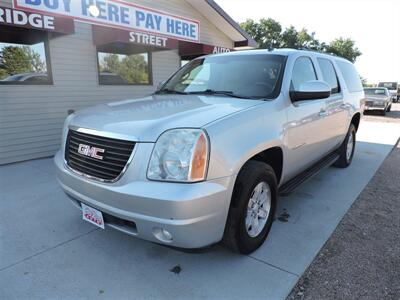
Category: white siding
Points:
column 31, row 117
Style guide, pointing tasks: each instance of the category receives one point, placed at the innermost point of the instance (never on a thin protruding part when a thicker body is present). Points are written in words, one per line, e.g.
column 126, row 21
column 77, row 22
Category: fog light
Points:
column 166, row 234
column 162, row 234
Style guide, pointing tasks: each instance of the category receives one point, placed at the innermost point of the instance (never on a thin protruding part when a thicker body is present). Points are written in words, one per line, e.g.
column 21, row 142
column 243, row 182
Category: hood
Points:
column 145, row 119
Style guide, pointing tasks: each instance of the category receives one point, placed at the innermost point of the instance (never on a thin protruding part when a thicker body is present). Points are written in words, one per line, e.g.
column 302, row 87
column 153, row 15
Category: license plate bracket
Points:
column 92, row 215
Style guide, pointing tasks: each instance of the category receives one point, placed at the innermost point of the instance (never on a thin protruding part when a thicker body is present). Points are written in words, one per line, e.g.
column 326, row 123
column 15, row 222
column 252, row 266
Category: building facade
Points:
column 57, row 56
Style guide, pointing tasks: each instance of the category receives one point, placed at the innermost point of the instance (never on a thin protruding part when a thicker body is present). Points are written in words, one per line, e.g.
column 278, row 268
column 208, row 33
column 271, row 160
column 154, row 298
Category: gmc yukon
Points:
column 205, row 158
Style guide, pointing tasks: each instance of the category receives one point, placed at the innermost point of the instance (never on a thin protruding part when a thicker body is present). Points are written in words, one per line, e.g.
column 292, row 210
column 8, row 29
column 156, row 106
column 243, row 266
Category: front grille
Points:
column 114, row 158
column 369, row 103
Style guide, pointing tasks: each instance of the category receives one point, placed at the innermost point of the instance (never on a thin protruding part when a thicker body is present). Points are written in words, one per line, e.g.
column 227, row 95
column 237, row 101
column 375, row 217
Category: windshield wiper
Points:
column 225, row 93
column 170, row 91
column 211, row 92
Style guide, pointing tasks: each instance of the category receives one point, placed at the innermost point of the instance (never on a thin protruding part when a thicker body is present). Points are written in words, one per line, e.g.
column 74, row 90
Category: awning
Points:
column 107, row 37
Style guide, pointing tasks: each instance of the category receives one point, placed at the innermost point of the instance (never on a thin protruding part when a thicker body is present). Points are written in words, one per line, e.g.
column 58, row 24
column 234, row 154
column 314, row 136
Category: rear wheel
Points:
column 346, row 151
column 252, row 208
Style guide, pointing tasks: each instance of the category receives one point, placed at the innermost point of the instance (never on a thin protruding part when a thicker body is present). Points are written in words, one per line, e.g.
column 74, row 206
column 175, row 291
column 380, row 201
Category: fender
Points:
column 236, row 139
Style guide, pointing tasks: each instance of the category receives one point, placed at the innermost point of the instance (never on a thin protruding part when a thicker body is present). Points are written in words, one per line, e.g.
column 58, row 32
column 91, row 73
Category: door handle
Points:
column 323, row 113
column 343, row 106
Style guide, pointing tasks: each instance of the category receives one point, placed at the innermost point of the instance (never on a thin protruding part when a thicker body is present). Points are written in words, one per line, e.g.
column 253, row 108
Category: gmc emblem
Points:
column 90, row 151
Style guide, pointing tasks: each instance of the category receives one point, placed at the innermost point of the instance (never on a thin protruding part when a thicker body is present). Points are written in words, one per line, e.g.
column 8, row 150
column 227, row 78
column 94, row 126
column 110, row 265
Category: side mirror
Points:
column 311, row 90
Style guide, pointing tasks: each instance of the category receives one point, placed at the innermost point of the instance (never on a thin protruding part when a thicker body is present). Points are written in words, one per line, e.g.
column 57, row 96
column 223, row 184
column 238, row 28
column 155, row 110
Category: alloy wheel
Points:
column 258, row 209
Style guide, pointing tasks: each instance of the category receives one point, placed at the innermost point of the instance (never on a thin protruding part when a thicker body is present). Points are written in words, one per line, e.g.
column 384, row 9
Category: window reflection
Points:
column 23, row 64
column 122, row 69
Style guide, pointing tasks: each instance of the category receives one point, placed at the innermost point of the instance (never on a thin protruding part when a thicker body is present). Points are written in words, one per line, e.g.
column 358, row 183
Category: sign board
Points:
column 13, row 17
column 118, row 14
column 207, row 49
column 105, row 35
column 194, row 49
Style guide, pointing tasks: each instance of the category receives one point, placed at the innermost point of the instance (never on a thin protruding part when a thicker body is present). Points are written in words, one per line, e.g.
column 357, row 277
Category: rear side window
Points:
column 329, row 74
column 303, row 71
column 351, row 77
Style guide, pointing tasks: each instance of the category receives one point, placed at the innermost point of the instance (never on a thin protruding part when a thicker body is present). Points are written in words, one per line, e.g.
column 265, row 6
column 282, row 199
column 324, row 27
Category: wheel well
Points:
column 274, row 158
column 356, row 120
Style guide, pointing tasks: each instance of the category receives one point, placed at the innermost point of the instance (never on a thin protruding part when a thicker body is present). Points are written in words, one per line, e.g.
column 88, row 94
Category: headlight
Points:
column 180, row 155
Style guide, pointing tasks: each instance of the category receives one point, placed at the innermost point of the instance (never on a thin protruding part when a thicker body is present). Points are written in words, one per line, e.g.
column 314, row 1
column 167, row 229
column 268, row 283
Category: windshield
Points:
column 388, row 85
column 375, row 92
column 244, row 76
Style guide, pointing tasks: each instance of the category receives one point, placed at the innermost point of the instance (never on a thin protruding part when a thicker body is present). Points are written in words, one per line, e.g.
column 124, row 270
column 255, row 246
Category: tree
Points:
column 290, row 38
column 308, row 41
column 3, row 74
column 110, row 63
column 18, row 60
column 15, row 60
column 268, row 34
column 132, row 68
column 38, row 65
column 345, row 48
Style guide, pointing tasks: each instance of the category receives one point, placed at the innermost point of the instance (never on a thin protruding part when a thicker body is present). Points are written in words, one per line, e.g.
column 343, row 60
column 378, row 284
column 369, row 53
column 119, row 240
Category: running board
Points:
column 288, row 187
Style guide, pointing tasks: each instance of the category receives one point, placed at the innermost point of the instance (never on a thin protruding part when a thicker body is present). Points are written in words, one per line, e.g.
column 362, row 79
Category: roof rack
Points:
column 317, row 51
column 308, row 49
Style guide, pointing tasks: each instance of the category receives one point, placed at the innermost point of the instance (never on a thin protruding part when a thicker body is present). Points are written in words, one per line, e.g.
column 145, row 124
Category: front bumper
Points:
column 194, row 214
column 375, row 106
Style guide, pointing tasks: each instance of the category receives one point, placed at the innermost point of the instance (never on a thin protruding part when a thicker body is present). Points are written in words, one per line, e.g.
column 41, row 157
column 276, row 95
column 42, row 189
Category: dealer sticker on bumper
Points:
column 92, row 215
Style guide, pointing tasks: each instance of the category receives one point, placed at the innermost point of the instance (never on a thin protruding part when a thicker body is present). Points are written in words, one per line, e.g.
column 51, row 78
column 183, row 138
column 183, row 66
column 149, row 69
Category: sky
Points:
column 373, row 24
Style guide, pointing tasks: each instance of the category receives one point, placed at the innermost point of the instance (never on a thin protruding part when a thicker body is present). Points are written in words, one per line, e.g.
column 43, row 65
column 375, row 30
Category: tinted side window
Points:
column 24, row 63
column 350, row 76
column 122, row 69
column 303, row 71
column 329, row 74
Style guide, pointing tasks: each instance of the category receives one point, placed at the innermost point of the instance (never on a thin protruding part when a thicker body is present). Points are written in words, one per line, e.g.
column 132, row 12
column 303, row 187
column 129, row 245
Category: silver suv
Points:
column 205, row 157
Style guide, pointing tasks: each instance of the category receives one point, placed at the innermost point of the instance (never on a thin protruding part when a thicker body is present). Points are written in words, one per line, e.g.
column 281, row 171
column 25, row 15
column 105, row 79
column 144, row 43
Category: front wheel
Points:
column 346, row 151
column 252, row 208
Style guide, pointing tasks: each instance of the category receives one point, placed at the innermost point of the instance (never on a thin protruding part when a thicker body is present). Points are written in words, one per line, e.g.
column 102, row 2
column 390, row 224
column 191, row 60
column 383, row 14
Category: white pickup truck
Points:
column 393, row 88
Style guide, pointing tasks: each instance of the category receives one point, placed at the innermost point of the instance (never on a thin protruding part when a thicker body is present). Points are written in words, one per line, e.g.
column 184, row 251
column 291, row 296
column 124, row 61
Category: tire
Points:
column 345, row 157
column 389, row 108
column 238, row 235
column 383, row 112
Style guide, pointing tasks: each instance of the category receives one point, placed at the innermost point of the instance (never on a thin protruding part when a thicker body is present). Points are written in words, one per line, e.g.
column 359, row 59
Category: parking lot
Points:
column 47, row 251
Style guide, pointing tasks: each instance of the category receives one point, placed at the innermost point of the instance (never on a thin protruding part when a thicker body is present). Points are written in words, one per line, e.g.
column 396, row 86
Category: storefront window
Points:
column 23, row 63
column 124, row 69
